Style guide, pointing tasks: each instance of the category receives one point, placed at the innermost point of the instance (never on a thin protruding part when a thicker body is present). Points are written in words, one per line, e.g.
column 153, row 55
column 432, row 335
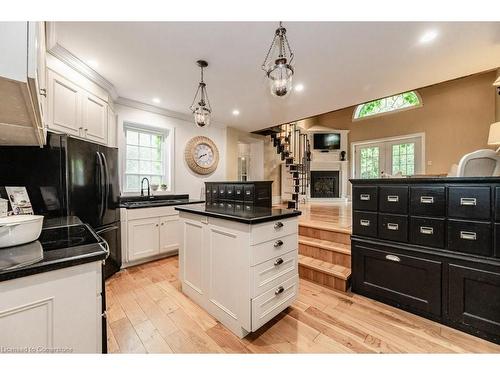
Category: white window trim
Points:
column 169, row 136
column 388, row 139
column 419, row 105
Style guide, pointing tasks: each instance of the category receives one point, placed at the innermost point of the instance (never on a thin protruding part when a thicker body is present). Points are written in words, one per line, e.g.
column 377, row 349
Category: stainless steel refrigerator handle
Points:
column 106, row 184
column 101, row 185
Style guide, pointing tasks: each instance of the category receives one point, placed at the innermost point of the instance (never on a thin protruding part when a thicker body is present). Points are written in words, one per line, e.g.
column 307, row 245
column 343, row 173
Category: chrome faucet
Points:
column 142, row 187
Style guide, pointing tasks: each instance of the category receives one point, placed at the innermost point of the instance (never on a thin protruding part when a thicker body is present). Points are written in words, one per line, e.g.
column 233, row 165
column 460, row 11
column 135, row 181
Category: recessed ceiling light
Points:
column 299, row 87
column 428, row 36
column 236, row 112
column 92, row 63
column 156, row 100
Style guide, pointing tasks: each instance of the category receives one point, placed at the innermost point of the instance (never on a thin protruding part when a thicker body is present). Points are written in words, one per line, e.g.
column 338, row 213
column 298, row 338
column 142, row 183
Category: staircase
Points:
column 325, row 256
column 294, row 149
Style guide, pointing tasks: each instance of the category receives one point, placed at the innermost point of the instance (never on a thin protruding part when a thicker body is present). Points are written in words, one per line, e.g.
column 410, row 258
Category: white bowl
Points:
column 19, row 229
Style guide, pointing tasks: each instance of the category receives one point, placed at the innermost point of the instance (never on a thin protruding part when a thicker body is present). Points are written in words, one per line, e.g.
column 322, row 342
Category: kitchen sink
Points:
column 153, row 203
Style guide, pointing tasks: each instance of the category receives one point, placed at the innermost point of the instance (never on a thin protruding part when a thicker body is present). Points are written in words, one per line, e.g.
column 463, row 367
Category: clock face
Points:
column 203, row 155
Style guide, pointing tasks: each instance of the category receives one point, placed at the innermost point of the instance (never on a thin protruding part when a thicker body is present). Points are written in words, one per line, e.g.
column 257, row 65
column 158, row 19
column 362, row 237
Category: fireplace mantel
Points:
column 333, row 165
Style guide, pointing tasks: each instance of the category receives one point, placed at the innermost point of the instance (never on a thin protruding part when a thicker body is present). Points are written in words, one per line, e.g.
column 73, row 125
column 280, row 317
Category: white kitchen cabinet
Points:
column 95, row 118
column 58, row 310
column 112, row 128
column 169, row 233
column 143, row 238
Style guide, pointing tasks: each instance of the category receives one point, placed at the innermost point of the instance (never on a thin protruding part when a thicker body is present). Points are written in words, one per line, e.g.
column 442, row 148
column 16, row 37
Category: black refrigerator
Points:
column 70, row 177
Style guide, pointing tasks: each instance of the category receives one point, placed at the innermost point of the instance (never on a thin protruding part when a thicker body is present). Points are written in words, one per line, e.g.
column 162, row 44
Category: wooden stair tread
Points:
column 327, row 245
column 324, row 226
column 328, row 268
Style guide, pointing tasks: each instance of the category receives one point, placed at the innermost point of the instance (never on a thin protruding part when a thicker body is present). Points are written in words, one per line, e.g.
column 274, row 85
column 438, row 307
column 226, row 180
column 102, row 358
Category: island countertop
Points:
column 239, row 213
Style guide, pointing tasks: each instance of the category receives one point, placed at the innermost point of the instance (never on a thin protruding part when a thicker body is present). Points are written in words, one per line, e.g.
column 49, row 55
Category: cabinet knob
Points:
column 156, row 224
column 278, row 243
column 278, row 225
column 279, row 290
column 162, row 223
column 278, row 261
column 43, row 92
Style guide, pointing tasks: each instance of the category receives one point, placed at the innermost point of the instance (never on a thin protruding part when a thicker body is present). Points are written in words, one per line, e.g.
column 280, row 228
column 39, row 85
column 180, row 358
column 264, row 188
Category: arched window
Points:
column 406, row 100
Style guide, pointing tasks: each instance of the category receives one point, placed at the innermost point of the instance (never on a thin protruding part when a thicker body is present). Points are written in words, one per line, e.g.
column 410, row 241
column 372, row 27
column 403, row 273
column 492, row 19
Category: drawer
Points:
column 497, row 204
column 364, row 223
column 393, row 227
column 208, row 194
column 273, row 229
column 427, row 232
column 471, row 202
column 393, row 199
column 364, row 198
column 238, row 192
column 248, row 192
column 230, row 192
column 497, row 241
column 271, row 303
column 274, row 248
column 428, row 201
column 273, row 272
column 405, row 281
column 215, row 191
column 470, row 237
column 222, row 192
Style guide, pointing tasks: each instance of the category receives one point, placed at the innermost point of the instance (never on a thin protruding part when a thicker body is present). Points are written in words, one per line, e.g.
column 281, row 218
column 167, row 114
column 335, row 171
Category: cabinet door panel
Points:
column 64, row 105
column 193, row 256
column 393, row 199
column 475, row 299
column 365, row 198
column 95, row 118
column 469, row 202
column 143, row 238
column 169, row 233
column 428, row 201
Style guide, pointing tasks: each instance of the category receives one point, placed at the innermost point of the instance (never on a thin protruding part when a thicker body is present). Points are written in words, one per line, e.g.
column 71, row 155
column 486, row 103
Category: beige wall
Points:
column 233, row 137
column 455, row 118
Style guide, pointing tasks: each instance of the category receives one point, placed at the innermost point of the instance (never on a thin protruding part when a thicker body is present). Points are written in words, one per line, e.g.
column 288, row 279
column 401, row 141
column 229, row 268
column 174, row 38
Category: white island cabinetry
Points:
column 242, row 274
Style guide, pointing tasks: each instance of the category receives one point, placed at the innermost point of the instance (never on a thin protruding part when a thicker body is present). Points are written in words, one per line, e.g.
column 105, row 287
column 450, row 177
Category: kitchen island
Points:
column 239, row 262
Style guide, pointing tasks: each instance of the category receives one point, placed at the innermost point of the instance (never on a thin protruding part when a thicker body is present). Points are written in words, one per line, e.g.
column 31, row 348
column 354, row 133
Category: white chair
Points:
column 479, row 163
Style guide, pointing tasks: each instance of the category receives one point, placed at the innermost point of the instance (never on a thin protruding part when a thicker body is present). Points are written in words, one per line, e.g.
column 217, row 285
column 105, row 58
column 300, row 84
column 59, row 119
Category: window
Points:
column 145, row 156
column 403, row 159
column 369, row 162
column 399, row 102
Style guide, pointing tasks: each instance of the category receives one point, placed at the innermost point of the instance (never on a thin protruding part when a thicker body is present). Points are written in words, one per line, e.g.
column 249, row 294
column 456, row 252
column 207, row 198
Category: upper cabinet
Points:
column 22, row 83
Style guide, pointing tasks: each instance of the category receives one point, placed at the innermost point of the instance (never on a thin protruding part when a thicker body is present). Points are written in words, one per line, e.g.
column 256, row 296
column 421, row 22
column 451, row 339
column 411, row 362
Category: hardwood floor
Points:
column 327, row 215
column 147, row 313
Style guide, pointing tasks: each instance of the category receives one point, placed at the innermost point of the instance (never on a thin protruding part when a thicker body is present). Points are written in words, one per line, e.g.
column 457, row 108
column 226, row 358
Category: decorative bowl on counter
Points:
column 154, row 187
column 19, row 229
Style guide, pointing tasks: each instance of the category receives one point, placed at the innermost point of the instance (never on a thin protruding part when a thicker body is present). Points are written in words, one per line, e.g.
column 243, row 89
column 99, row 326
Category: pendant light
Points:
column 277, row 63
column 201, row 105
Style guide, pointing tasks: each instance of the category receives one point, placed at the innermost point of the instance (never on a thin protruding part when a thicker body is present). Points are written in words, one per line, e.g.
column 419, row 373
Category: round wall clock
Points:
column 202, row 155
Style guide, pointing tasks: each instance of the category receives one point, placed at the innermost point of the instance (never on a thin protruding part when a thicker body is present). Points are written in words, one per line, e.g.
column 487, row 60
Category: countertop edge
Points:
column 243, row 220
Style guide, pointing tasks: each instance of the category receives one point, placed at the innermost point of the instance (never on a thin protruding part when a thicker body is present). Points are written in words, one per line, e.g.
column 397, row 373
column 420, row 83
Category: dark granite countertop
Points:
column 240, row 213
column 156, row 201
column 424, row 179
column 31, row 258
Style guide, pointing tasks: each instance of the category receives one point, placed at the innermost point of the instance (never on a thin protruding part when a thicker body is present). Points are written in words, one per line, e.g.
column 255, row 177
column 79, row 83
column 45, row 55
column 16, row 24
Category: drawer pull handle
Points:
column 426, row 230
column 393, row 198
column 278, row 261
column 278, row 243
column 364, row 223
column 364, row 197
column 279, row 290
column 471, row 236
column 278, row 225
column 393, row 258
column 392, row 226
column 427, row 200
column 468, row 201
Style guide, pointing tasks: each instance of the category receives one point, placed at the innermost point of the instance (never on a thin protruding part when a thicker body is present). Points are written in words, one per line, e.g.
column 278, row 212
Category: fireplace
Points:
column 324, row 184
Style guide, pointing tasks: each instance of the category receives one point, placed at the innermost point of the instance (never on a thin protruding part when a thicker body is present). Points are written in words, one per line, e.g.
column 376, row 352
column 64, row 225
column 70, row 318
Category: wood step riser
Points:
column 323, row 279
column 329, row 256
column 326, row 235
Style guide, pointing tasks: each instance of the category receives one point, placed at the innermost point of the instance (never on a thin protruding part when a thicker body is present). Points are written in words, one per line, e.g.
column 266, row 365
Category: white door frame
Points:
column 388, row 139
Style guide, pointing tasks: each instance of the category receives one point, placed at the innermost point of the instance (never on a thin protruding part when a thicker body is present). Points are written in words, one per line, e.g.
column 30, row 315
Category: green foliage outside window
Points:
column 389, row 104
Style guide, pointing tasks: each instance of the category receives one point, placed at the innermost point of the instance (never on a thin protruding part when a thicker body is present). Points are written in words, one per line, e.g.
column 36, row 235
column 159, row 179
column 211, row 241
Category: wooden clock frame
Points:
column 189, row 155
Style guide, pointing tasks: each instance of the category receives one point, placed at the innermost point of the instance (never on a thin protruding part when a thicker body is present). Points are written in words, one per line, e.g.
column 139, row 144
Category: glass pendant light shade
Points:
column 280, row 78
column 201, row 109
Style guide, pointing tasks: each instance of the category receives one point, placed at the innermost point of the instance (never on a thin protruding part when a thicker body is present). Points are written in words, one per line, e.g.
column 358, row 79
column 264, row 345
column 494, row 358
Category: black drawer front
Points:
column 471, row 202
column 364, row 223
column 229, row 192
column 497, row 204
column 221, row 194
column 393, row 199
column 404, row 280
column 238, row 192
column 364, row 198
column 428, row 201
column 470, row 237
column 393, row 227
column 474, row 299
column 248, row 192
column 497, row 241
column 215, row 191
column 427, row 232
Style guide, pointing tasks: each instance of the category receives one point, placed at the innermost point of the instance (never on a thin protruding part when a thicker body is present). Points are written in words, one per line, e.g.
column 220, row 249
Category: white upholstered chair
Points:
column 479, row 163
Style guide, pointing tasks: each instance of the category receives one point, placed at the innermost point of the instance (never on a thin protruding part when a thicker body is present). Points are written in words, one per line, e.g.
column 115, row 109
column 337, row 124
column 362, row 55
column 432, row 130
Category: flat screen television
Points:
column 326, row 141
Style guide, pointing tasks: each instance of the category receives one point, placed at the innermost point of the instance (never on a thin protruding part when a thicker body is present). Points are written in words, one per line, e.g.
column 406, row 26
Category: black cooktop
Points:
column 63, row 237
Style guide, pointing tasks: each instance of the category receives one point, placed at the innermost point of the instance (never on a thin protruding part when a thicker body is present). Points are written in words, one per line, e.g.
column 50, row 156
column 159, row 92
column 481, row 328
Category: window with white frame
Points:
column 146, row 155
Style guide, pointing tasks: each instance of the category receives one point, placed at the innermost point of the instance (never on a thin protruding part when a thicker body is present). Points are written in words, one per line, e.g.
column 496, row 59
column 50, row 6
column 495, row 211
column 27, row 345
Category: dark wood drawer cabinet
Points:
column 398, row 279
column 469, row 202
column 427, row 232
column 253, row 193
column 393, row 227
column 365, row 223
column 393, row 199
column 497, row 204
column 428, row 201
column 248, row 193
column 497, row 241
column 365, row 198
column 470, row 237
column 222, row 191
column 474, row 299
column 238, row 192
column 230, row 192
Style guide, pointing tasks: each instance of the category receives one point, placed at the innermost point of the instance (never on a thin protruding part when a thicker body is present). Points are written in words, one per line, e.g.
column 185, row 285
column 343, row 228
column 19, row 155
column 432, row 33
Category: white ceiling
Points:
column 339, row 63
